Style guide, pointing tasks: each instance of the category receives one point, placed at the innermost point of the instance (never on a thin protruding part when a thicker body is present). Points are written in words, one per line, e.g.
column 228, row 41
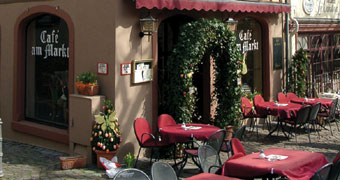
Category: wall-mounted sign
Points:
column 328, row 7
column 246, row 41
column 102, row 68
column 50, row 45
column 277, row 55
column 142, row 71
column 308, row 6
column 125, row 69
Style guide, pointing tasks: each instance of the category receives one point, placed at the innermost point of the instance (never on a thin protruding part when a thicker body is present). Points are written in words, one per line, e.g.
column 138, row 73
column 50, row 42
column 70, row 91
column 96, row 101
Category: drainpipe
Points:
column 287, row 49
column 288, row 43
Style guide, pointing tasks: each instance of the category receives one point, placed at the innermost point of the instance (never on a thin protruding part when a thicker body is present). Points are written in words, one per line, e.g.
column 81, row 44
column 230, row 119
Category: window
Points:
column 46, row 71
column 324, row 50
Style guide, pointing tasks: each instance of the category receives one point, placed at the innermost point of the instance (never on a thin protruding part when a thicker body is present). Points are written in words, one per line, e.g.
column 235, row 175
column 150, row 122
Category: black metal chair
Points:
column 322, row 173
column 215, row 140
column 226, row 146
column 302, row 119
column 162, row 171
column 209, row 159
column 131, row 173
column 329, row 115
column 313, row 115
column 335, row 171
column 145, row 137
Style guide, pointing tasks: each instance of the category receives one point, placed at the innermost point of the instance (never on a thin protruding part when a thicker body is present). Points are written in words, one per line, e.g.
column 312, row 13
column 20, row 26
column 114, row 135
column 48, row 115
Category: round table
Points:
column 177, row 134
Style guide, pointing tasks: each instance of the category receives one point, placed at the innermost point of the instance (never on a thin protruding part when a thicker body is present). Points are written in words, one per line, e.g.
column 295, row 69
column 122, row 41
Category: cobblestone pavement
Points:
column 22, row 161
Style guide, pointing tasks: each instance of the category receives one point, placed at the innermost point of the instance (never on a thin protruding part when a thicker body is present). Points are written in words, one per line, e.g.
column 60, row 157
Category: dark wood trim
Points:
column 18, row 122
column 319, row 27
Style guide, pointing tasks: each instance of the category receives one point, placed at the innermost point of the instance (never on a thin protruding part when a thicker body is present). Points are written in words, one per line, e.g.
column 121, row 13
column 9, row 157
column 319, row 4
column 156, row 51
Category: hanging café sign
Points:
column 50, row 46
column 246, row 42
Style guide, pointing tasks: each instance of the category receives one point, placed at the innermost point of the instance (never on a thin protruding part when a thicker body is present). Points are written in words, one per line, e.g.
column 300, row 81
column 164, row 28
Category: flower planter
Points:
column 229, row 134
column 73, row 162
column 108, row 155
column 87, row 89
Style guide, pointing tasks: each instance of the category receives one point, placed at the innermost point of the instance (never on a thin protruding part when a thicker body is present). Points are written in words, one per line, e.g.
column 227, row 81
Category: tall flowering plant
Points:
column 105, row 132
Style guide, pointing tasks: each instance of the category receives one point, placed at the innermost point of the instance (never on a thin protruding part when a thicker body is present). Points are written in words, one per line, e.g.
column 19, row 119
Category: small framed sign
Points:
column 142, row 71
column 102, row 68
column 125, row 69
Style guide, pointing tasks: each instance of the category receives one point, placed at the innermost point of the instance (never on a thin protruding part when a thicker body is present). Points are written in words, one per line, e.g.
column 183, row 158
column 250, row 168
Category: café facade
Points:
column 317, row 30
column 45, row 44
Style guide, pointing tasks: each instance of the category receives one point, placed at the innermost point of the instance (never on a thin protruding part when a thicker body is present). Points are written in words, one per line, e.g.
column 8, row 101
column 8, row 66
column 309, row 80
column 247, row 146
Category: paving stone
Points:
column 23, row 161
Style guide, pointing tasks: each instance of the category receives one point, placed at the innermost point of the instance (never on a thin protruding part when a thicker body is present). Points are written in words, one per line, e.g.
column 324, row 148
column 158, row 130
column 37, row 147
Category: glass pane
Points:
column 302, row 42
column 47, row 58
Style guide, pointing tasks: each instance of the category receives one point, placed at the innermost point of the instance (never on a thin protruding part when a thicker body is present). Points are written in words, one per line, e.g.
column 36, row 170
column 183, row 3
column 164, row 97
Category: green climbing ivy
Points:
column 299, row 69
column 195, row 40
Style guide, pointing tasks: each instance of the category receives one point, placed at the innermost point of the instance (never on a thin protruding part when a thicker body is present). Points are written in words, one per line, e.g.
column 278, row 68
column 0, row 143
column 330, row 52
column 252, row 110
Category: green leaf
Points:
column 104, row 127
column 99, row 119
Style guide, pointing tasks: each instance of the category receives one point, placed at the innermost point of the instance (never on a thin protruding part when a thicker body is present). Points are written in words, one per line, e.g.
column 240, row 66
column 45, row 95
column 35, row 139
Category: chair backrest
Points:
column 142, row 126
column 313, row 113
column 216, row 139
column 281, row 98
column 239, row 132
column 162, row 171
column 246, row 106
column 333, row 107
column 258, row 99
column 131, row 173
column 165, row 120
column 302, row 115
column 208, row 158
column 291, row 95
column 335, row 171
column 322, row 173
column 237, row 147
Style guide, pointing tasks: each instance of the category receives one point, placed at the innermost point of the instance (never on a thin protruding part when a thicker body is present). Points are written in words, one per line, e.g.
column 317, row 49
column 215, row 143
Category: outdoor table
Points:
column 311, row 101
column 282, row 111
column 286, row 110
column 299, row 165
column 205, row 176
column 177, row 134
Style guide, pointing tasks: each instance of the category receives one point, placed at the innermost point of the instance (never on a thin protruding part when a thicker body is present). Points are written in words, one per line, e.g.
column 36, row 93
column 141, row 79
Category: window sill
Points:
column 47, row 132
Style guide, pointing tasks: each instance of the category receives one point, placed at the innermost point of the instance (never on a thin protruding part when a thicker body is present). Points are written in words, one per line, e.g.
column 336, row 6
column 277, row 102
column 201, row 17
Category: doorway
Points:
column 168, row 33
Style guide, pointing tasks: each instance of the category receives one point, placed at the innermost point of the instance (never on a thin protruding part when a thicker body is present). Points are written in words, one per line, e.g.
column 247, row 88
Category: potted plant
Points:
column 105, row 138
column 87, row 84
column 129, row 159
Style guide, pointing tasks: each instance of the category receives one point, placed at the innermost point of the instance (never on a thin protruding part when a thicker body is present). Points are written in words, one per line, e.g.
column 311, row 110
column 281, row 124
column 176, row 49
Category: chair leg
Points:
column 137, row 157
column 151, row 156
column 308, row 130
column 330, row 127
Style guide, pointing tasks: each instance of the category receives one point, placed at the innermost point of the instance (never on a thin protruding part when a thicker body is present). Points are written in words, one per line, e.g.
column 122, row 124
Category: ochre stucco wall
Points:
column 106, row 31
column 94, row 42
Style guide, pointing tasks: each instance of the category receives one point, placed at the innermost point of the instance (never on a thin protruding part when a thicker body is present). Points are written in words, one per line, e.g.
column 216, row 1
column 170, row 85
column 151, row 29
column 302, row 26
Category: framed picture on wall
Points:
column 142, row 71
column 102, row 68
column 125, row 68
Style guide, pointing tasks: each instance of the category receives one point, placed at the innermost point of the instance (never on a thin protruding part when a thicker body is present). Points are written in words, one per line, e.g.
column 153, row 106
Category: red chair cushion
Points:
column 237, row 146
column 152, row 143
column 193, row 152
column 336, row 159
column 165, row 120
column 282, row 98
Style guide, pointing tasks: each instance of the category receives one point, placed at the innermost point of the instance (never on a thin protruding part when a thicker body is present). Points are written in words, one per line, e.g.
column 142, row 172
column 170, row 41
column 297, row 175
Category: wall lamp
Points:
column 230, row 21
column 148, row 25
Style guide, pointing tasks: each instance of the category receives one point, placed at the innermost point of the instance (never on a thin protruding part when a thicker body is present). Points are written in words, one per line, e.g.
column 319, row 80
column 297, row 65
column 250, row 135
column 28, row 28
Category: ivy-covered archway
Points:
column 195, row 39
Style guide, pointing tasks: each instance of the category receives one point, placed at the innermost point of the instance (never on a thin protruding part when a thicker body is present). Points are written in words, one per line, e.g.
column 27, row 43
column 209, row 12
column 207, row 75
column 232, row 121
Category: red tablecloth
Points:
column 300, row 165
column 269, row 108
column 311, row 101
column 176, row 134
column 205, row 176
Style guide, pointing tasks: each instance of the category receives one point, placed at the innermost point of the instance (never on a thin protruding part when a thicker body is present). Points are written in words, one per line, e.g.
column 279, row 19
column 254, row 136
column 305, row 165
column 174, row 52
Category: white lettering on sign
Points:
column 51, row 47
column 247, row 42
column 327, row 6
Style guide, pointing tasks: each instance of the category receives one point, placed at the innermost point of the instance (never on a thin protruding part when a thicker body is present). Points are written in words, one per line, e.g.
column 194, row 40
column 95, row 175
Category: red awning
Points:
column 214, row 5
